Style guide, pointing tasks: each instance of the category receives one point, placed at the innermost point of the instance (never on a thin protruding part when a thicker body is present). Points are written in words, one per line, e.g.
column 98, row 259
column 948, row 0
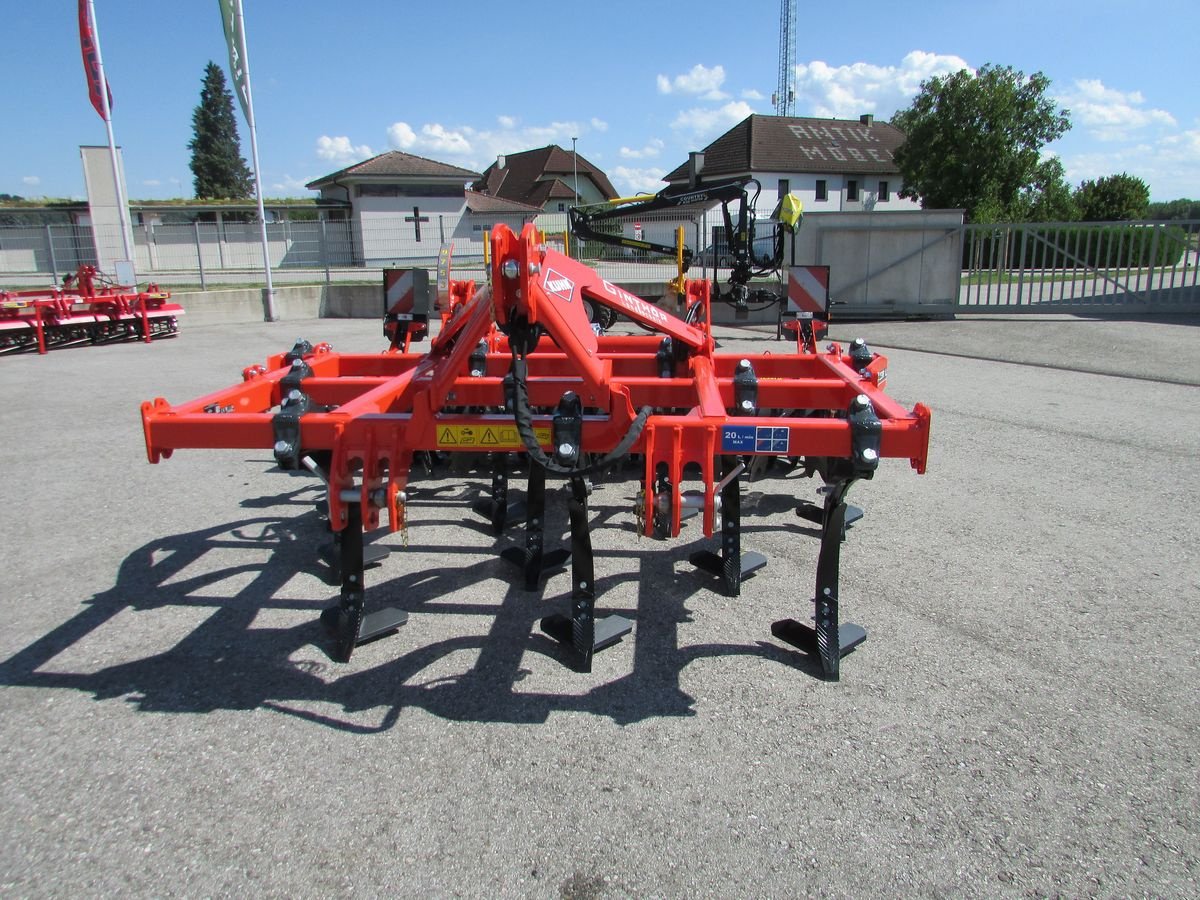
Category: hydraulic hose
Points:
column 523, row 416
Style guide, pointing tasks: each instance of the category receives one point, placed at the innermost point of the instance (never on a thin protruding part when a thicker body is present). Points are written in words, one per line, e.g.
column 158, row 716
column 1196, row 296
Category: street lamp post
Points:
column 575, row 163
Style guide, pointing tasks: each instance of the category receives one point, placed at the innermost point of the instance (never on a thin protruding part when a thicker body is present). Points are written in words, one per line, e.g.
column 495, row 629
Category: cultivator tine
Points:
column 535, row 526
column 499, row 511
column 583, row 632
column 348, row 622
column 533, row 560
column 347, row 616
column 733, row 565
column 583, row 578
column 830, row 639
column 828, row 569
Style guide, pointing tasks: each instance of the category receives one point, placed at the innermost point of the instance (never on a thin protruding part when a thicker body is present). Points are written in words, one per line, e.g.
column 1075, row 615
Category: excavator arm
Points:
column 584, row 219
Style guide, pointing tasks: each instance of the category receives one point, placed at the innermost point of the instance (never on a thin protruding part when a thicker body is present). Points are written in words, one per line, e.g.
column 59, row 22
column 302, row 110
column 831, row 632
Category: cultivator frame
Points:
column 83, row 311
column 518, row 369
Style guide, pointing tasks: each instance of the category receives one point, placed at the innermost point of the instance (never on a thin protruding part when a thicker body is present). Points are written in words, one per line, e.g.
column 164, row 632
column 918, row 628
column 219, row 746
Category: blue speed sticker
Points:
column 739, row 438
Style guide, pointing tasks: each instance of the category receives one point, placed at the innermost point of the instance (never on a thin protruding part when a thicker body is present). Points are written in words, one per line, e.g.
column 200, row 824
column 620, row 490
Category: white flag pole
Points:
column 122, row 205
column 262, row 217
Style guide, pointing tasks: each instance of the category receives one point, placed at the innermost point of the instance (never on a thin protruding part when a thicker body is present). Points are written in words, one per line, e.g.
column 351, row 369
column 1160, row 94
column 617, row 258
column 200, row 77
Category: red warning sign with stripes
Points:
column 808, row 290
column 400, row 293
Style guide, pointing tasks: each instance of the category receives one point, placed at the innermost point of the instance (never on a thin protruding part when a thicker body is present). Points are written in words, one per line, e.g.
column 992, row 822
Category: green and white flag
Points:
column 235, row 36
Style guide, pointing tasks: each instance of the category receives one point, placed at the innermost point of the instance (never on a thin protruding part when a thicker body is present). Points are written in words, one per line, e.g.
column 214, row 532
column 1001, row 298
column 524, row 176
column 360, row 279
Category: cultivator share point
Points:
column 517, row 372
column 84, row 311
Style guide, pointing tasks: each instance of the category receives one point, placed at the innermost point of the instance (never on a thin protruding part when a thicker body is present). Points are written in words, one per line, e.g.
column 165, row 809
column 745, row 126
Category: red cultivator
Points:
column 517, row 369
column 81, row 312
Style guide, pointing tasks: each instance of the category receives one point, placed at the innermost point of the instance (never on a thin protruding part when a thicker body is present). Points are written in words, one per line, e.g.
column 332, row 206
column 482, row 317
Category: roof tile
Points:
column 792, row 144
column 523, row 177
column 395, row 164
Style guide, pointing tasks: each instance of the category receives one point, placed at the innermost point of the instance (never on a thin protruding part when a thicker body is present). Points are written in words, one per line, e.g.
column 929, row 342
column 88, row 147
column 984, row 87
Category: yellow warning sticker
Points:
column 487, row 437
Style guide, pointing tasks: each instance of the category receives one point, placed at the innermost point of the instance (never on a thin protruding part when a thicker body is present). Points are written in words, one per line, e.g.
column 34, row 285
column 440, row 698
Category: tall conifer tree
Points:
column 218, row 168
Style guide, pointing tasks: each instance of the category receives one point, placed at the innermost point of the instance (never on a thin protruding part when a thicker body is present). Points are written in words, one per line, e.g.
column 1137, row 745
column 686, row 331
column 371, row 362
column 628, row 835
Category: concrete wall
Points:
column 886, row 263
column 337, row 301
column 104, row 210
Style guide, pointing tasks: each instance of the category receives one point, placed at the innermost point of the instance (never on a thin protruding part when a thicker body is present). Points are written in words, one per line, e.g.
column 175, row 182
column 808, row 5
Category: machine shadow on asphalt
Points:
column 229, row 662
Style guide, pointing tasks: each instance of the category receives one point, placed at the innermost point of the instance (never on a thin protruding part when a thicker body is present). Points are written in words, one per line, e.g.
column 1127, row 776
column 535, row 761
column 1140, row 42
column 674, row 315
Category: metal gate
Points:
column 885, row 264
column 1144, row 266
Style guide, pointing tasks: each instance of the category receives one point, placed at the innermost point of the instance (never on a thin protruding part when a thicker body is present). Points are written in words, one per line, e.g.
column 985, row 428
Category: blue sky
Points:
column 639, row 83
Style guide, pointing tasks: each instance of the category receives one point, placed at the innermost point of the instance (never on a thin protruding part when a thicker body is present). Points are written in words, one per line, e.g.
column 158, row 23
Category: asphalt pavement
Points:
column 1021, row 721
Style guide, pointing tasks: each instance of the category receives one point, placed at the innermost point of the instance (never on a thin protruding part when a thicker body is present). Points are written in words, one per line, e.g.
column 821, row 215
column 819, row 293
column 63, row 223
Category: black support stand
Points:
column 732, row 566
column 828, row 640
column 583, row 632
column 496, row 508
column 533, row 561
column 348, row 622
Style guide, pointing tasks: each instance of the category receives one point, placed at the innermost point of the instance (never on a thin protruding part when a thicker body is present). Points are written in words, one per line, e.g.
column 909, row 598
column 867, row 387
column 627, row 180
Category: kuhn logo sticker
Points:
column 559, row 285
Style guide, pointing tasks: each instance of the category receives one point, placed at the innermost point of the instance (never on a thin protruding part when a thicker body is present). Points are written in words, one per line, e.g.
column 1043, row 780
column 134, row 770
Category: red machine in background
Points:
column 517, row 370
column 84, row 312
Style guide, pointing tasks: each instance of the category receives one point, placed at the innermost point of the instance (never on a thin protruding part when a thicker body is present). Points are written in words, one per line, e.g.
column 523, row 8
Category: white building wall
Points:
column 805, row 185
column 588, row 193
column 387, row 236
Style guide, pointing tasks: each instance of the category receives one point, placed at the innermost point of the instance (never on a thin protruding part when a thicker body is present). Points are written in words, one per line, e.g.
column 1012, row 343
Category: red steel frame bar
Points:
column 390, row 405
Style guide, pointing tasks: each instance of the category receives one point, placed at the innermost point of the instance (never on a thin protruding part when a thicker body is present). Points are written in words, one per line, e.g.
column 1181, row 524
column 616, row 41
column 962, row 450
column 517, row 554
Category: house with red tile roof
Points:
column 550, row 178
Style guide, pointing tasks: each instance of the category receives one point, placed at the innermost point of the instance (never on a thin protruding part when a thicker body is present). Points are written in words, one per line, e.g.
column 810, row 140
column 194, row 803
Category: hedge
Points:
column 1070, row 247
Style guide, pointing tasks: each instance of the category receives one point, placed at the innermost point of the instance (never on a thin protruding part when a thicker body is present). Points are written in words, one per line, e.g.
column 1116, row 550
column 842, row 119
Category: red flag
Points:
column 91, row 61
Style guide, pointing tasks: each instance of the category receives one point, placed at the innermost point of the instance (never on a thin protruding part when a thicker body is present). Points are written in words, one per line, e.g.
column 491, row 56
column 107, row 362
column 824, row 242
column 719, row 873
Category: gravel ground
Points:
column 1022, row 720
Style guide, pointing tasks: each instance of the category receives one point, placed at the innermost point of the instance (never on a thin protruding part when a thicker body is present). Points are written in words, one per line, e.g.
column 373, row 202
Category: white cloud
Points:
column 401, row 136
column 152, row 182
column 477, row 148
column 650, row 150
column 1170, row 165
column 846, row 92
column 291, row 186
column 630, row 181
column 698, row 80
column 1109, row 114
column 31, row 180
column 703, row 121
column 752, row 94
column 436, row 138
column 340, row 150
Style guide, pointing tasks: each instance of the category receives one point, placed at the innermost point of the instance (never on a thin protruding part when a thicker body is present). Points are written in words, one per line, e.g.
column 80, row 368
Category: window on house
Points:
column 785, row 188
column 884, row 196
column 851, row 191
column 562, row 207
column 822, row 189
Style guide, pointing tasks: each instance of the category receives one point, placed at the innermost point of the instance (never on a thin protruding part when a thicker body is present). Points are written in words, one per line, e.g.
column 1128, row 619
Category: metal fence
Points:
column 1048, row 267
column 220, row 253
column 1018, row 267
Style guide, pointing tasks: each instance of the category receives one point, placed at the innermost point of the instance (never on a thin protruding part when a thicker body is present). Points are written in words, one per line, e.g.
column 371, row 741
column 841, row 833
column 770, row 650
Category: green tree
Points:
column 1174, row 209
column 1049, row 198
column 974, row 141
column 218, row 168
column 1113, row 198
